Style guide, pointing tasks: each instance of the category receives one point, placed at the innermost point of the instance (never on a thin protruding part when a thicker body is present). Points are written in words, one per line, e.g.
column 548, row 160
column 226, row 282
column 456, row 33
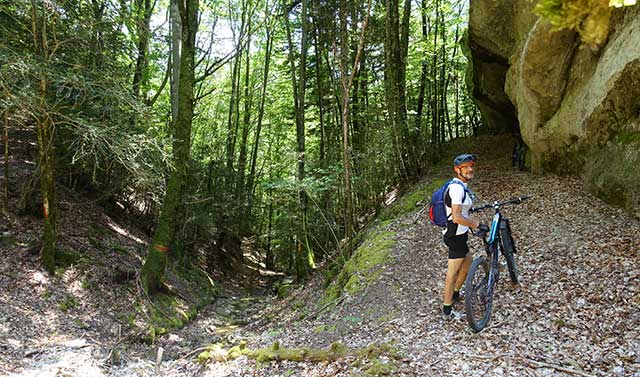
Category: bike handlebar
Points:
column 497, row 205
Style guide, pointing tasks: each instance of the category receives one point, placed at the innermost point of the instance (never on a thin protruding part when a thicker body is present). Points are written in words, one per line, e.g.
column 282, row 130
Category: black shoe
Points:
column 453, row 316
column 456, row 296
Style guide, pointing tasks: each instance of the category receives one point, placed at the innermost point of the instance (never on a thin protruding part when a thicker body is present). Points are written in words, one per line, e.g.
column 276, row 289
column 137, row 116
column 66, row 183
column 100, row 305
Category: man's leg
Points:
column 453, row 266
column 462, row 273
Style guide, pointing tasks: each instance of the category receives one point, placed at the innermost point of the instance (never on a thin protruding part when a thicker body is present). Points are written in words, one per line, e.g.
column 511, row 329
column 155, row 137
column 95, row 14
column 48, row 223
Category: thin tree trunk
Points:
column 346, row 160
column 254, row 153
column 320, row 91
column 269, row 257
column 156, row 262
column 96, row 36
column 457, row 118
column 231, row 121
column 242, row 158
column 142, row 62
column 346, row 79
column 5, row 139
column 45, row 130
column 402, row 91
column 424, row 68
column 435, row 113
column 176, row 32
column 303, row 262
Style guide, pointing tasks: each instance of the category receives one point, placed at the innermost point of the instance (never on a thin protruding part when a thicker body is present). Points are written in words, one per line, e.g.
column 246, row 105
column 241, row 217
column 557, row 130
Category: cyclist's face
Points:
column 466, row 171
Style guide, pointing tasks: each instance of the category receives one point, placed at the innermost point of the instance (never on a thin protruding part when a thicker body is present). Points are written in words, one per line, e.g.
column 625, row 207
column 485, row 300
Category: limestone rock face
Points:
column 577, row 109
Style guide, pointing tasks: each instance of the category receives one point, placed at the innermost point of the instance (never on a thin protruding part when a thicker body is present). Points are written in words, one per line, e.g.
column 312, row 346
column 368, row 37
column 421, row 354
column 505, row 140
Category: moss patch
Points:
column 407, row 203
column 367, row 263
column 377, row 357
column 364, row 267
column 66, row 258
column 612, row 172
column 168, row 311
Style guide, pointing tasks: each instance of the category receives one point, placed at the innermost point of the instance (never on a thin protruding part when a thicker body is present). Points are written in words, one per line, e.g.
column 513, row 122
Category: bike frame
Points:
column 492, row 247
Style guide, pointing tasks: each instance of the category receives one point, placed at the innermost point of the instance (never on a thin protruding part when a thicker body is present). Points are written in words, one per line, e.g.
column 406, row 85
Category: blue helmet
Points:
column 464, row 158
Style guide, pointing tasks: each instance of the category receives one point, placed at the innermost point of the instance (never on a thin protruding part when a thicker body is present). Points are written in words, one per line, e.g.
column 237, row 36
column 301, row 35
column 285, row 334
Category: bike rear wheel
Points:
column 508, row 250
column 478, row 300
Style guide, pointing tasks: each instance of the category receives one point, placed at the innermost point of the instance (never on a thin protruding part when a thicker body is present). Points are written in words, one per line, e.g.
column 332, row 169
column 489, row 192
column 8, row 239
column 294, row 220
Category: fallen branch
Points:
column 491, row 357
column 560, row 368
column 336, row 302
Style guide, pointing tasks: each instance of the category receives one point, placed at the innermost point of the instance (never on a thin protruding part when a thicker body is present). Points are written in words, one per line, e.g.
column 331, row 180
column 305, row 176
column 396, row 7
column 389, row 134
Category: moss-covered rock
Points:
column 376, row 359
column 365, row 266
column 613, row 171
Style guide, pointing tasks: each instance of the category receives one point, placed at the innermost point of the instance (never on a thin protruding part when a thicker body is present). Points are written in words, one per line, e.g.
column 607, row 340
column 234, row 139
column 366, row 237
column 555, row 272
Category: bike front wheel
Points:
column 508, row 250
column 478, row 298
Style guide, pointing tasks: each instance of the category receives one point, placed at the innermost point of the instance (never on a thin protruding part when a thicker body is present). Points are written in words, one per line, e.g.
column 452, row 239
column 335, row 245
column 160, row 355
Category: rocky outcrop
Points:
column 576, row 107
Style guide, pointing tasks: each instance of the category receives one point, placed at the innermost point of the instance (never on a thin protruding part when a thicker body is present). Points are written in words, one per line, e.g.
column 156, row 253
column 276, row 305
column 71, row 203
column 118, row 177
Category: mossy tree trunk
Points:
column 5, row 139
column 45, row 125
column 395, row 51
column 156, row 262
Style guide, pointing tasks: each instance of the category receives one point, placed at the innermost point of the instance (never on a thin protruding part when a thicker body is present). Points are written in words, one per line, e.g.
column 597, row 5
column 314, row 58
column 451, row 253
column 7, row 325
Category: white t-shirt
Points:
column 456, row 193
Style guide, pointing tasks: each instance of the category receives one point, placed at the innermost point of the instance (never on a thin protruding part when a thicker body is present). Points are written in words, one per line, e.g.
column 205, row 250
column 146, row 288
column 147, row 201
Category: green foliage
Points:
column 66, row 258
column 116, row 145
column 590, row 18
column 68, row 303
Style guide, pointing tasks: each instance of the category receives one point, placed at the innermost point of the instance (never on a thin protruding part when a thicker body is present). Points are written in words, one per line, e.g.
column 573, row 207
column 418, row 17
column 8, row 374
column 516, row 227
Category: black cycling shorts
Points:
column 458, row 247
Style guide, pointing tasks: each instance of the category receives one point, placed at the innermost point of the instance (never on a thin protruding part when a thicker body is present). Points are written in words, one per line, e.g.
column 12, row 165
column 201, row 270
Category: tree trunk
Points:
column 140, row 76
column 320, row 92
column 269, row 263
column 402, row 92
column 396, row 41
column 424, row 68
column 45, row 126
column 240, row 192
column 256, row 143
column 176, row 32
column 5, row 139
column 444, row 81
column 435, row 113
column 98, row 9
column 156, row 262
column 346, row 79
column 305, row 259
column 346, row 160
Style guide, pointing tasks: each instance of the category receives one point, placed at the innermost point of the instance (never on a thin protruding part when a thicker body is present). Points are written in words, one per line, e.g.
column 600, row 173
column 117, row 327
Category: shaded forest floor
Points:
column 576, row 310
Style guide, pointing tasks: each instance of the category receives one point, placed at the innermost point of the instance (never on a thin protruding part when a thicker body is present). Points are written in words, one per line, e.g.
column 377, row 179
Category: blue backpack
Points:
column 437, row 210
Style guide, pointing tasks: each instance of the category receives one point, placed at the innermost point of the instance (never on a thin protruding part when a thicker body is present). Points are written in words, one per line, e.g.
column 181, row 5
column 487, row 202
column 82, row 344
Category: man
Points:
column 458, row 201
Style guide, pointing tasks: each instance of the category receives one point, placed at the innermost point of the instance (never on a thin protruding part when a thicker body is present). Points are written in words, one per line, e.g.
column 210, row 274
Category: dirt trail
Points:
column 576, row 310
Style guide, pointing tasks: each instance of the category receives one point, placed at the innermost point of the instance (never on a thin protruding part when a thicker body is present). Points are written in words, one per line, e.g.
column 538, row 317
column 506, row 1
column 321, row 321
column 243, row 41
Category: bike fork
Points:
column 494, row 272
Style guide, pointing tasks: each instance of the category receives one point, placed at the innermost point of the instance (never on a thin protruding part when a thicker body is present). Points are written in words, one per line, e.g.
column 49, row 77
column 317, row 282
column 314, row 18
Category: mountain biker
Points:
column 458, row 201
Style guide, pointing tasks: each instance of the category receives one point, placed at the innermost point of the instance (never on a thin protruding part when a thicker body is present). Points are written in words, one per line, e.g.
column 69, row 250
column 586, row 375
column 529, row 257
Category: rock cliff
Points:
column 577, row 106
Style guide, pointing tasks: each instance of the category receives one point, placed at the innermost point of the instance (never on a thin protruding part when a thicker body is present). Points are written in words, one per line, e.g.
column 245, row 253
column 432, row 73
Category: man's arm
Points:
column 456, row 211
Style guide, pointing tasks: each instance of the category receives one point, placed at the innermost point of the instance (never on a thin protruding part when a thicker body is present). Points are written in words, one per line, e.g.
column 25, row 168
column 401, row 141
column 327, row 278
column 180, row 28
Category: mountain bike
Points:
column 483, row 274
column 519, row 154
